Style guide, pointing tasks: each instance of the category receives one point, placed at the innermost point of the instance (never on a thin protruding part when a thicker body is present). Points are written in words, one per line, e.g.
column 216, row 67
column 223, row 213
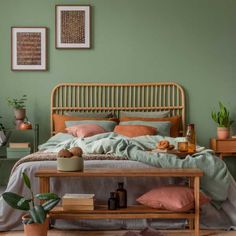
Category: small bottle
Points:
column 112, row 201
column 121, row 195
column 191, row 138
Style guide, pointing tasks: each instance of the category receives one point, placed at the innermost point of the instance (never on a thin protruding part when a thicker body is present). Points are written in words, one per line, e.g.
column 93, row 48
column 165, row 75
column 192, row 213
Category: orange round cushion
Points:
column 135, row 130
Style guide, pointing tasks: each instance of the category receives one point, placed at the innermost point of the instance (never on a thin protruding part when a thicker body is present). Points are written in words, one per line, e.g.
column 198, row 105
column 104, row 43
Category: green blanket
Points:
column 216, row 179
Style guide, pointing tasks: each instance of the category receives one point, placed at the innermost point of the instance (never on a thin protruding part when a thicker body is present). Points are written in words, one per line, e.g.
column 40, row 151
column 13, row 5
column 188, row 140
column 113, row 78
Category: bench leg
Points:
column 197, row 206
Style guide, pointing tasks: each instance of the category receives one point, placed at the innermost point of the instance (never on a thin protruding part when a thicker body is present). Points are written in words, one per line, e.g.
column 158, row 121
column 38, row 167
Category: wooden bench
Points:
column 132, row 212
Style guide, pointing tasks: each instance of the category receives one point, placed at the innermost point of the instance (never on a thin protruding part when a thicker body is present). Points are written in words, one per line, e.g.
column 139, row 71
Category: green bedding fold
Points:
column 215, row 182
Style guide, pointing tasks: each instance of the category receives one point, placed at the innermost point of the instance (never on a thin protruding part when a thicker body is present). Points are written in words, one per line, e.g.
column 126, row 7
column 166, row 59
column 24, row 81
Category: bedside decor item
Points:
column 36, row 222
column 25, row 125
column 18, row 104
column 222, row 118
column 72, row 26
column 28, row 48
column 121, row 195
column 70, row 160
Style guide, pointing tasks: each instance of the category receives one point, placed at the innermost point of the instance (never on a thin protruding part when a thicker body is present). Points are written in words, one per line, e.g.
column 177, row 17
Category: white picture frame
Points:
column 29, row 48
column 72, row 26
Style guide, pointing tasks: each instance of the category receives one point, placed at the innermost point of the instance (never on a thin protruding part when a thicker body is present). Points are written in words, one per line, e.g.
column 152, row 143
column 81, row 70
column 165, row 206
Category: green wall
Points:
column 192, row 42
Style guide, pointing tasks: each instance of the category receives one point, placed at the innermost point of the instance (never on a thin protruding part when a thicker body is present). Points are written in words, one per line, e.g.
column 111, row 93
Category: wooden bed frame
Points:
column 94, row 97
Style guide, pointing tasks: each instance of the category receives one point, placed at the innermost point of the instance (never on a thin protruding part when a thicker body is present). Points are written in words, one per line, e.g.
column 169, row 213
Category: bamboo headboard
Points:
column 93, row 97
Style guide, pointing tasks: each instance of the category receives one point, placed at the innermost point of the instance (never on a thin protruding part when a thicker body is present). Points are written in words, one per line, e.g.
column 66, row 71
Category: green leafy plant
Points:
column 17, row 103
column 222, row 117
column 37, row 212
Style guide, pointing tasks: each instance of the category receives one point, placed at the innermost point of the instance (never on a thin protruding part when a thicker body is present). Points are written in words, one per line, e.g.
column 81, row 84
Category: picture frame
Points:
column 29, row 48
column 72, row 26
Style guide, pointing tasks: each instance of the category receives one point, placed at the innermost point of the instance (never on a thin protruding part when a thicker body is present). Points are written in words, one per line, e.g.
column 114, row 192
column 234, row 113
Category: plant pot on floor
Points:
column 19, row 114
column 223, row 133
column 36, row 229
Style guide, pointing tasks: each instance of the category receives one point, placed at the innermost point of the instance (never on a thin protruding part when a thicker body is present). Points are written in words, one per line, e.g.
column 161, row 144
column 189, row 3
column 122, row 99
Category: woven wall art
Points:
column 72, row 26
column 28, row 48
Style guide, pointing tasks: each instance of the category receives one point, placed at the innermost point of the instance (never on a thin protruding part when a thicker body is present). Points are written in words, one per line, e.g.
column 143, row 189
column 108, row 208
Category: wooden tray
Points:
column 175, row 152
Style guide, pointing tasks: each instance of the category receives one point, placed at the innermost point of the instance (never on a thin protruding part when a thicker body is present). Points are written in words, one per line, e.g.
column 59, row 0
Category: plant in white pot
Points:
column 19, row 106
column 222, row 118
column 36, row 222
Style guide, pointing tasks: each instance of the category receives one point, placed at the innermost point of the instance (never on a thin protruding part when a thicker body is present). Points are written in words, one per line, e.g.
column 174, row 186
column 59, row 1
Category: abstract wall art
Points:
column 72, row 26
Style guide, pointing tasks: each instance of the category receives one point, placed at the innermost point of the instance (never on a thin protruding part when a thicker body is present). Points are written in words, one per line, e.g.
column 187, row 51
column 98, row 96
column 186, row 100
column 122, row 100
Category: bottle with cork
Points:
column 191, row 138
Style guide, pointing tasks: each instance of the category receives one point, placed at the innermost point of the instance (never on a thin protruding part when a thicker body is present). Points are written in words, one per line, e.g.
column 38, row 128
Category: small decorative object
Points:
column 112, row 201
column 28, row 48
column 72, row 26
column 121, row 194
column 182, row 146
column 222, row 118
column 19, row 109
column 25, row 125
column 36, row 222
column 70, row 160
column 3, row 137
column 191, row 138
column 164, row 145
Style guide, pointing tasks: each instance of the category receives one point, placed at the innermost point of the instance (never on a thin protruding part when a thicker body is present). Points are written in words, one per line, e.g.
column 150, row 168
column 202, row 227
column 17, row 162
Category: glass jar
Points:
column 191, row 138
column 121, row 194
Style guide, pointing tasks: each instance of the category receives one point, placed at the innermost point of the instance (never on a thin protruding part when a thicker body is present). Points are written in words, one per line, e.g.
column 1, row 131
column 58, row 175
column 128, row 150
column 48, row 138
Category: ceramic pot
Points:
column 73, row 163
column 223, row 133
column 19, row 114
column 36, row 229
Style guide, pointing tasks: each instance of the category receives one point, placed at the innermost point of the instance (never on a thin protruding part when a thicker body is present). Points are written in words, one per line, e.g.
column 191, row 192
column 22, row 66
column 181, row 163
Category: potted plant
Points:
column 36, row 222
column 222, row 118
column 18, row 106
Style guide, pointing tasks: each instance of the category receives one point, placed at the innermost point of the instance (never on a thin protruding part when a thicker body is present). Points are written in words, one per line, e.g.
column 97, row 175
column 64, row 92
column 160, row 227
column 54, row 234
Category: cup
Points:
column 182, row 146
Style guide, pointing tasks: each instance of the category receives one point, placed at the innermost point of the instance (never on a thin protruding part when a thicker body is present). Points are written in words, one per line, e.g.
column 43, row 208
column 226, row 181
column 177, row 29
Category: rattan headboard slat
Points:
column 95, row 97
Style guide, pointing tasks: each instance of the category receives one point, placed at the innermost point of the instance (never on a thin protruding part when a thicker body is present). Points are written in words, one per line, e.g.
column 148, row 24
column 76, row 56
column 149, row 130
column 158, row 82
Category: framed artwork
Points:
column 28, row 48
column 72, row 26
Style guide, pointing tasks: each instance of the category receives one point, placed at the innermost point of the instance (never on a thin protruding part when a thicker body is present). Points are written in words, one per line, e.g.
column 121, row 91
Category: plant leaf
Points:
column 26, row 180
column 46, row 196
column 13, row 199
column 49, row 205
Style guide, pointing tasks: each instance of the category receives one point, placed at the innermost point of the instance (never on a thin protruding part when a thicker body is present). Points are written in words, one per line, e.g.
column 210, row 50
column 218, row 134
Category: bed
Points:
column 102, row 98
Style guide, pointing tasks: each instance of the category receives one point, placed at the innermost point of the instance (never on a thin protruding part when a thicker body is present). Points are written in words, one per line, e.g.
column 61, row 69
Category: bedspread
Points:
column 215, row 182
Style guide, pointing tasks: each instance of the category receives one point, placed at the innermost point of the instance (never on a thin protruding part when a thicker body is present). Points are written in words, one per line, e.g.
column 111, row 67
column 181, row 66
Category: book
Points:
column 78, row 199
column 19, row 145
column 78, row 208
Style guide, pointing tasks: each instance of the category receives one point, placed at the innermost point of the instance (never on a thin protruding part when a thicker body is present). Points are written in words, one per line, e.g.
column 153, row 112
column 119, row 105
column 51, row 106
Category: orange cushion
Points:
column 172, row 198
column 135, row 130
column 175, row 120
column 59, row 121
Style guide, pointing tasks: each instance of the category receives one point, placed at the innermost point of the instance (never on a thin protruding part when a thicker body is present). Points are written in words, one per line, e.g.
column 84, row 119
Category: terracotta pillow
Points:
column 59, row 121
column 85, row 130
column 135, row 130
column 172, row 198
column 175, row 120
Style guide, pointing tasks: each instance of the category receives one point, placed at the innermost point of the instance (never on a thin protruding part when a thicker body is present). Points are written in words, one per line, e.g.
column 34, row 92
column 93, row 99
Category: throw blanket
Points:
column 215, row 182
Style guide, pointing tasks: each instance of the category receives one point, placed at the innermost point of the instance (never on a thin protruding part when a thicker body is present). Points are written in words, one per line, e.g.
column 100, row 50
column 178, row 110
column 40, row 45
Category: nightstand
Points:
column 223, row 147
column 6, row 164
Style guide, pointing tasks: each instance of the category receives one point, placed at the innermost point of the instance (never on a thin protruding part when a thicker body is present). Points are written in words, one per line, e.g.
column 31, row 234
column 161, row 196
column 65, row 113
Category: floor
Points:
column 120, row 233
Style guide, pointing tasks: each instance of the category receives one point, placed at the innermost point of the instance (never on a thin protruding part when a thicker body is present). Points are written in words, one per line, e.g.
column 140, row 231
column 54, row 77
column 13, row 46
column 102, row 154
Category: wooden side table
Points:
column 132, row 212
column 223, row 147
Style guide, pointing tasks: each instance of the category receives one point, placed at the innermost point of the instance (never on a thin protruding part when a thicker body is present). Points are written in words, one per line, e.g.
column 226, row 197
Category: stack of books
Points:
column 19, row 145
column 78, row 202
column 18, row 150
